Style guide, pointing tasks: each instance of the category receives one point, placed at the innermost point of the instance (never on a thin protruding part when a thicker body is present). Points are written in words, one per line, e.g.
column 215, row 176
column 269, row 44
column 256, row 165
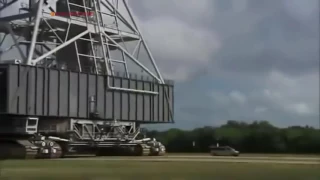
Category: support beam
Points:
column 132, row 58
column 143, row 42
column 121, row 17
column 35, row 32
column 24, row 58
column 5, row 5
column 17, row 17
column 60, row 47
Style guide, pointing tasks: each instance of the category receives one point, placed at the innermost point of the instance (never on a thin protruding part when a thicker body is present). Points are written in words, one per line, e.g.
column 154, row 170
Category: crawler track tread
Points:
column 17, row 149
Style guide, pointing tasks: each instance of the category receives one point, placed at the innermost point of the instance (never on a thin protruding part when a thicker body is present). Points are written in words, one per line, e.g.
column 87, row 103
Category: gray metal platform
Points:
column 38, row 91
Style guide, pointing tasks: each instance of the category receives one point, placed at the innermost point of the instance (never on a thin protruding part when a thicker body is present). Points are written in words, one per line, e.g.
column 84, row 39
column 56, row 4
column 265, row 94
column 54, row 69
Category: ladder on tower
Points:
column 100, row 45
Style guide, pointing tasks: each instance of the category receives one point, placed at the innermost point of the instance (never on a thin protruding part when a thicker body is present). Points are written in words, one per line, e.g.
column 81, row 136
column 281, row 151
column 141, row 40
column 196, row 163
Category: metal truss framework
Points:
column 105, row 43
column 102, row 130
column 98, row 130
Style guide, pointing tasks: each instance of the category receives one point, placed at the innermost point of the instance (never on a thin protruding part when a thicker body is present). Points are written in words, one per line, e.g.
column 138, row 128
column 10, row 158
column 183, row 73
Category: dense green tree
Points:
column 255, row 137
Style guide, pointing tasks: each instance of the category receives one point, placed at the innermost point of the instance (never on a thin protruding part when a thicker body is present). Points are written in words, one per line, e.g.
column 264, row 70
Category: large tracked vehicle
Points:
column 77, row 77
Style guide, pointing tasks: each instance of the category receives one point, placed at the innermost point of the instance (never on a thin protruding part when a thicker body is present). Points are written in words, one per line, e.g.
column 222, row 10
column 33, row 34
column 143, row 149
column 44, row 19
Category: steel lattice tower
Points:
column 103, row 39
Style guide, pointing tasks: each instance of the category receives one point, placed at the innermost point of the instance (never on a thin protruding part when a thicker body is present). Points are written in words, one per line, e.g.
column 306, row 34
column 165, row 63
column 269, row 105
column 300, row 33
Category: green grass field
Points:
column 252, row 155
column 103, row 169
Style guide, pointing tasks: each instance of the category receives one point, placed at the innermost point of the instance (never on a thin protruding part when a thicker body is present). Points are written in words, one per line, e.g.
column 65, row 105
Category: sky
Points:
column 236, row 59
column 240, row 60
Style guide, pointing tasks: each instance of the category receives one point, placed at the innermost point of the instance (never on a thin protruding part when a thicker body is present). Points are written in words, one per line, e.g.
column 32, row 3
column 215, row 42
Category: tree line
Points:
column 256, row 137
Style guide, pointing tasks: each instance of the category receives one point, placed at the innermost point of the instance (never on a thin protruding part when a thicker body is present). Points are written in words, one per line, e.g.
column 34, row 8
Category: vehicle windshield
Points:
column 229, row 148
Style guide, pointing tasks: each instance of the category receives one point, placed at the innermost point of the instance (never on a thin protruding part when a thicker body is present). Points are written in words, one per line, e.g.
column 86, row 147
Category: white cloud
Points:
column 238, row 97
column 220, row 98
column 300, row 108
column 277, row 98
column 239, row 5
column 224, row 99
column 180, row 74
column 298, row 95
column 182, row 46
column 189, row 9
column 300, row 9
column 259, row 110
column 180, row 49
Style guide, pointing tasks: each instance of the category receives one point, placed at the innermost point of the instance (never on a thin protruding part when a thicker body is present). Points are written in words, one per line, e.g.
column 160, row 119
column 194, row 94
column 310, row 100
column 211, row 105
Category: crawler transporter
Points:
column 77, row 83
